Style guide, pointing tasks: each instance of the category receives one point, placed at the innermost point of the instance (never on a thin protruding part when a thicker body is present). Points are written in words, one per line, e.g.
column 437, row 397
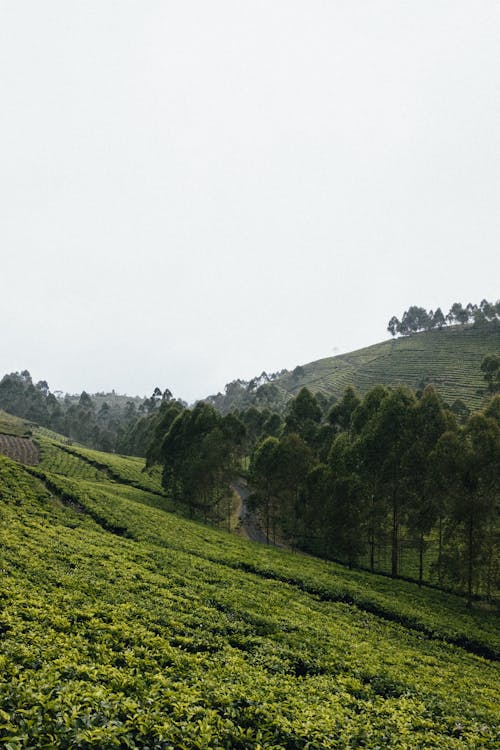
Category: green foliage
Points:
column 382, row 488
column 199, row 453
column 124, row 626
column 105, row 421
column 490, row 367
column 448, row 358
column 11, row 425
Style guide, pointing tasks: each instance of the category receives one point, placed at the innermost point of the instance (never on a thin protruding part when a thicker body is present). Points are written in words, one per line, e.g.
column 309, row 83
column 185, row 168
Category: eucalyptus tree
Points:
column 317, row 510
column 428, row 420
column 349, row 511
column 294, row 461
column 467, row 465
column 490, row 367
column 383, row 443
column 193, row 457
column 304, row 417
column 341, row 412
column 264, row 479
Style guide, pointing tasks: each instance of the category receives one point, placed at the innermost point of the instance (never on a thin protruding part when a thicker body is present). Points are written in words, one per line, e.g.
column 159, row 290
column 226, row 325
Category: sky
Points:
column 193, row 192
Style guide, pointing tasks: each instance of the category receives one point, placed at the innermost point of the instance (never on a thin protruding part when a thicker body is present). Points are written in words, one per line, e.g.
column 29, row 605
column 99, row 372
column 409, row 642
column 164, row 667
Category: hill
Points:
column 123, row 625
column 449, row 359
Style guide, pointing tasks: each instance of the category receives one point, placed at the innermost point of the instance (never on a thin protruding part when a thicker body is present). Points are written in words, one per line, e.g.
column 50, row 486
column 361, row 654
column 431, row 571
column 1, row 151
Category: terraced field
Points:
column 449, row 359
column 129, row 470
column 10, row 425
column 56, row 459
column 124, row 626
column 21, row 449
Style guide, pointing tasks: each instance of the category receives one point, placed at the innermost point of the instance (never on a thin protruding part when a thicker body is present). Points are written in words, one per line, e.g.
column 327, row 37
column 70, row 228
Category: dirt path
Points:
column 248, row 521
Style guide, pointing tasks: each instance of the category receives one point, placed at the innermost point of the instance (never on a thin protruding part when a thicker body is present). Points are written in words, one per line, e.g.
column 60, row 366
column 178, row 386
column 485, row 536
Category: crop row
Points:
column 127, row 469
column 449, row 358
column 114, row 642
column 11, row 425
column 59, row 461
column 435, row 613
column 21, row 449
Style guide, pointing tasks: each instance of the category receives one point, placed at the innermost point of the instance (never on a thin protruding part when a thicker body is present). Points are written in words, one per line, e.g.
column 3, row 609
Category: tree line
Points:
column 107, row 422
column 344, row 479
column 417, row 319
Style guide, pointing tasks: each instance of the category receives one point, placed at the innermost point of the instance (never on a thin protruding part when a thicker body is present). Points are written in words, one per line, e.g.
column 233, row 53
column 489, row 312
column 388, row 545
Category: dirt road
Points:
column 248, row 521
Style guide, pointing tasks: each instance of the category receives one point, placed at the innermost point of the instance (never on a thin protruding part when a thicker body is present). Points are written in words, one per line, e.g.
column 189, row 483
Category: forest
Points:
column 104, row 420
column 394, row 471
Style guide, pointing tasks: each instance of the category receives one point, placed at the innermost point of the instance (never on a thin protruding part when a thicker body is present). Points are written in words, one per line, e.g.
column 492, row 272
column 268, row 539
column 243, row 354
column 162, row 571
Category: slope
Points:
column 124, row 626
column 449, row 359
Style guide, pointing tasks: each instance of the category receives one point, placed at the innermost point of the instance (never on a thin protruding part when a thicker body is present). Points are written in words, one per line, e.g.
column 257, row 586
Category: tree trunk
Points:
column 469, row 562
column 268, row 508
column 372, row 537
column 440, row 548
column 421, row 559
column 394, row 549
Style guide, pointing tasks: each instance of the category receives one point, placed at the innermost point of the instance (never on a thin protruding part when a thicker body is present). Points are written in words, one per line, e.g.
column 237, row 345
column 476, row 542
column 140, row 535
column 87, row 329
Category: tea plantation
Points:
column 449, row 359
column 125, row 626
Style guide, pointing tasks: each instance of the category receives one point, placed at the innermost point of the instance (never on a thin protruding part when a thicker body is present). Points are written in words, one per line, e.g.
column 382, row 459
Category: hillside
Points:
column 123, row 625
column 449, row 359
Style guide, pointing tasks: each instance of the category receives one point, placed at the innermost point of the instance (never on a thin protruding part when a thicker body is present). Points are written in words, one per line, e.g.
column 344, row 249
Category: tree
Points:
column 370, row 453
column 348, row 509
column 85, row 400
column 317, row 510
column 341, row 412
column 264, row 479
column 294, row 460
column 438, row 319
column 393, row 325
column 468, row 464
column 415, row 319
column 493, row 409
column 304, row 416
column 384, row 442
column 490, row 367
column 428, row 421
column 458, row 314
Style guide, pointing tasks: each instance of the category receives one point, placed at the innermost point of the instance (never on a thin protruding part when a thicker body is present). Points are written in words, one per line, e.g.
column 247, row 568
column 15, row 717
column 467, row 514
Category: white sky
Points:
column 192, row 192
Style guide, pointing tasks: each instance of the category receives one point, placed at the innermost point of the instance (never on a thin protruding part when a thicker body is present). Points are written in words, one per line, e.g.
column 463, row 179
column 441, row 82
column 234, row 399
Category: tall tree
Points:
column 264, row 478
column 427, row 422
column 490, row 367
column 304, row 416
column 349, row 509
column 341, row 412
column 469, row 464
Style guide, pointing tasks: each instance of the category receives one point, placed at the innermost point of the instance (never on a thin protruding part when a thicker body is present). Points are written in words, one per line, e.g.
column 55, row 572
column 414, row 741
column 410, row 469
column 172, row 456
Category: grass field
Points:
column 122, row 625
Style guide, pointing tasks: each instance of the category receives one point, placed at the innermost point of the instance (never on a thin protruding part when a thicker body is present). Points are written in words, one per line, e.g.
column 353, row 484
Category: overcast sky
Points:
column 192, row 192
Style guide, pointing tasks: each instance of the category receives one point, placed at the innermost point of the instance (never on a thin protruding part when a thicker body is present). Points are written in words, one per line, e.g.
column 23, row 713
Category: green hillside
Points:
column 449, row 359
column 125, row 626
column 10, row 425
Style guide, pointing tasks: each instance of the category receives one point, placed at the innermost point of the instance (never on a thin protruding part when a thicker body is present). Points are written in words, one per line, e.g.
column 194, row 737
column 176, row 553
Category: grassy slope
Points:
column 10, row 425
column 449, row 359
column 123, row 625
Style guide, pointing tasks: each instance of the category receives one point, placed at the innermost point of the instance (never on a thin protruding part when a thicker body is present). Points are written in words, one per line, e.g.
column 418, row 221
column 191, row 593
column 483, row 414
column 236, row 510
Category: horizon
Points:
column 107, row 391
column 194, row 193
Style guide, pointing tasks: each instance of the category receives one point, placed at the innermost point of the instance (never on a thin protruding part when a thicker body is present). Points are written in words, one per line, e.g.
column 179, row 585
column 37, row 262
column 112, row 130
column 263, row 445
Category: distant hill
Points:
column 449, row 359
